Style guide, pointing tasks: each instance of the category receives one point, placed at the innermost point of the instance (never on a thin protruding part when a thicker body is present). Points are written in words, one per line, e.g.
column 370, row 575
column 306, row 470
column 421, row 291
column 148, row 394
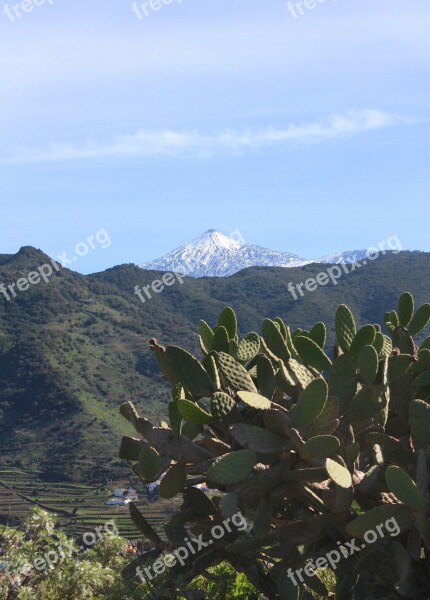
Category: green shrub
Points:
column 41, row 562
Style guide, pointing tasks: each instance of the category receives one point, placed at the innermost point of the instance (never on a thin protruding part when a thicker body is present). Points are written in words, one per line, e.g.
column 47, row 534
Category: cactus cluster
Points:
column 313, row 447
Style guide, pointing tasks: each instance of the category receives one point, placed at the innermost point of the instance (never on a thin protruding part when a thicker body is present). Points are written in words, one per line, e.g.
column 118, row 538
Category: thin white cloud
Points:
column 195, row 144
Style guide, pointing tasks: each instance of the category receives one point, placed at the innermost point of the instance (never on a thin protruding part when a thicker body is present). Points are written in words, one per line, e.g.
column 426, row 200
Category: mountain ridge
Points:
column 214, row 254
column 72, row 350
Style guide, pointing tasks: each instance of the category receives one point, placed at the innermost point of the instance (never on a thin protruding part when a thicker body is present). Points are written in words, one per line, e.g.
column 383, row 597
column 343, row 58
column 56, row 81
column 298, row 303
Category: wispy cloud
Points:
column 195, row 144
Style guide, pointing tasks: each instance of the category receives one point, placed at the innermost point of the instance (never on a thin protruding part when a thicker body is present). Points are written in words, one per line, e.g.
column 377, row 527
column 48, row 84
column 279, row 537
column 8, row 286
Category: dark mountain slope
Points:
column 73, row 349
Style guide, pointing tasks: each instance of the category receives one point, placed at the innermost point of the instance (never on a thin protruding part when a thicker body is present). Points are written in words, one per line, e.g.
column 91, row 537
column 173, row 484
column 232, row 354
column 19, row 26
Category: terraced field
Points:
column 79, row 507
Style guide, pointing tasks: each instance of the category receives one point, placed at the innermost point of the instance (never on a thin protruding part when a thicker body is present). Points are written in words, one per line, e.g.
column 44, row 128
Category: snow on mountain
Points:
column 215, row 255
column 257, row 256
column 349, row 257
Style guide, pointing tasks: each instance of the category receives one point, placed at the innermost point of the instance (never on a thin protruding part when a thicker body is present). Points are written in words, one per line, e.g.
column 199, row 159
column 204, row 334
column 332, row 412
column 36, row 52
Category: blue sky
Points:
column 307, row 134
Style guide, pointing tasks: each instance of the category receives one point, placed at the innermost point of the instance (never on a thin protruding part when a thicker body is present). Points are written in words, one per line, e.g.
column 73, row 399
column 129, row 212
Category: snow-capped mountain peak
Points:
column 214, row 239
column 209, row 255
column 214, row 254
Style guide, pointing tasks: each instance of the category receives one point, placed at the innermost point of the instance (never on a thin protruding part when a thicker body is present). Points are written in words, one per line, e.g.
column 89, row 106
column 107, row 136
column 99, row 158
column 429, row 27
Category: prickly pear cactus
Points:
column 318, row 451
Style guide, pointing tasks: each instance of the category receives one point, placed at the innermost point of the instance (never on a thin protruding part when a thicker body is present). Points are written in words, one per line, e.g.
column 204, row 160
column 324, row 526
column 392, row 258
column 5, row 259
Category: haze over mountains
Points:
column 214, row 254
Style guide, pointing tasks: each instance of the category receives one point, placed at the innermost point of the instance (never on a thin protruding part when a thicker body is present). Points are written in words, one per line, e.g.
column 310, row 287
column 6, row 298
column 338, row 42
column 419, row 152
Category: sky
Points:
column 304, row 126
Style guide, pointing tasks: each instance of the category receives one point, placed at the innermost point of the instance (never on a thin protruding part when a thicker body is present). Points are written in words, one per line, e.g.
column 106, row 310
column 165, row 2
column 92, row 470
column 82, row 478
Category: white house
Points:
column 115, row 502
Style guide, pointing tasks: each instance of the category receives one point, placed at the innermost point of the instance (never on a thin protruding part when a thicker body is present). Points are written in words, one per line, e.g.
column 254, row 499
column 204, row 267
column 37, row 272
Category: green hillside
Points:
column 72, row 350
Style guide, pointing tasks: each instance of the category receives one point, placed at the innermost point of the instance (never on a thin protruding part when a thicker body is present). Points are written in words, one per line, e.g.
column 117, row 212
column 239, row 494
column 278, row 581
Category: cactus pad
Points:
column 404, row 488
column 368, row 364
column 274, row 340
column 420, row 319
column 405, row 309
column 345, row 327
column 235, row 374
column 175, row 417
column 228, row 505
column 394, row 451
column 220, row 342
column 149, row 463
column 282, row 328
column 300, row 373
column 130, row 448
column 205, row 337
column 419, row 418
column 228, row 320
column 222, row 406
column 258, row 439
column 366, row 404
column 232, row 467
column 173, row 481
column 327, row 421
column 143, row 526
column 343, row 379
column 266, row 377
column 338, row 473
column 254, row 400
column 318, row 334
column 378, row 516
column 311, row 403
column 311, row 354
column 364, row 337
column 322, row 446
column 422, row 380
column 248, row 347
column 193, row 413
column 189, row 371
